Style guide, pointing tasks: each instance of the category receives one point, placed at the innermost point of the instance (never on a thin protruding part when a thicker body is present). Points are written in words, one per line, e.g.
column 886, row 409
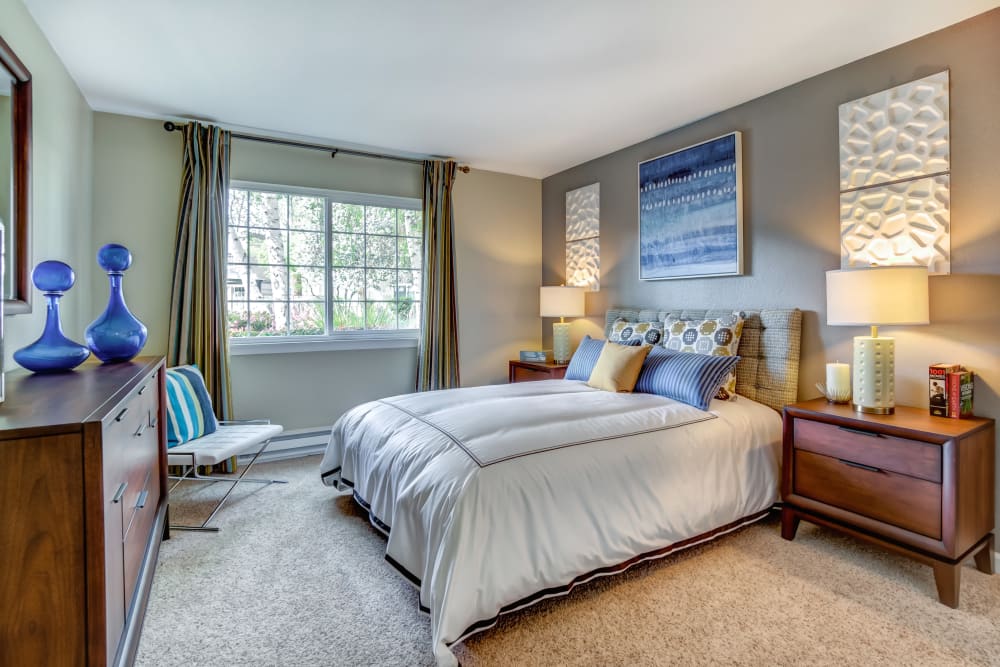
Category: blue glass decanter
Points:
column 52, row 352
column 116, row 335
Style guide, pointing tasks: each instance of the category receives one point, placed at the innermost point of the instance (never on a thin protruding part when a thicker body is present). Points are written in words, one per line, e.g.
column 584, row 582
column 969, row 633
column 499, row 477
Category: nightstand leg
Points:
column 789, row 523
column 947, row 577
column 984, row 558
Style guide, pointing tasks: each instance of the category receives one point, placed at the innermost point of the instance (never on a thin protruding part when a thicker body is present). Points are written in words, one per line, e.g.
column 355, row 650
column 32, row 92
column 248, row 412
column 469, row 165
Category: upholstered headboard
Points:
column 768, row 371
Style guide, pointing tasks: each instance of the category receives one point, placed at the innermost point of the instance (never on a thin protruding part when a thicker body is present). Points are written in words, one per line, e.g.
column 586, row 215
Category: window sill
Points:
column 255, row 346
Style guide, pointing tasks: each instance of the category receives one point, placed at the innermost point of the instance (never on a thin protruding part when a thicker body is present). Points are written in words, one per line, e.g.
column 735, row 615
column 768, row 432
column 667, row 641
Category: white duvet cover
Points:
column 495, row 497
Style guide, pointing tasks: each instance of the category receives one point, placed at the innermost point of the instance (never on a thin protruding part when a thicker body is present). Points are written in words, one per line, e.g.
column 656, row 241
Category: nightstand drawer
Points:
column 910, row 503
column 907, row 457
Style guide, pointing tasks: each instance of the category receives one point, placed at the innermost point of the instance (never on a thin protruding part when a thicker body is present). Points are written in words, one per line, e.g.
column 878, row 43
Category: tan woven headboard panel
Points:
column 768, row 371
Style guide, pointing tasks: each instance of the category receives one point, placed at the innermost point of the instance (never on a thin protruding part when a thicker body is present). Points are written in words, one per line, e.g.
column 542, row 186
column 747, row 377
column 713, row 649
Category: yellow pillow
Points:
column 618, row 367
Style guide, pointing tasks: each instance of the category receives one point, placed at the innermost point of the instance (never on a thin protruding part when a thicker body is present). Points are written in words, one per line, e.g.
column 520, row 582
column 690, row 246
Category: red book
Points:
column 960, row 394
column 938, row 390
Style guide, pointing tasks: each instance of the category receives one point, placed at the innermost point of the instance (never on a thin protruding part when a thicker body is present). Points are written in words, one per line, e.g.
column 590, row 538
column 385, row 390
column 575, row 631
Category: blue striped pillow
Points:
column 584, row 359
column 189, row 407
column 684, row 376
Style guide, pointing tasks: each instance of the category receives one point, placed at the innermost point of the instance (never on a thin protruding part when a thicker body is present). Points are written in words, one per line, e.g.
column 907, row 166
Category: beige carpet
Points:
column 297, row 577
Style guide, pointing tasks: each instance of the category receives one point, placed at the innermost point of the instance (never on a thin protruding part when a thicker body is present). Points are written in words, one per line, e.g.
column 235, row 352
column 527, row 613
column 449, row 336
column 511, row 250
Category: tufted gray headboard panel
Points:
column 768, row 371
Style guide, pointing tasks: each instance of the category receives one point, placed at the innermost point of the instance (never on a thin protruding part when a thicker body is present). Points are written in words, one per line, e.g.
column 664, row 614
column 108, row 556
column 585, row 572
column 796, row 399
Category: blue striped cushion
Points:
column 584, row 359
column 684, row 376
column 189, row 407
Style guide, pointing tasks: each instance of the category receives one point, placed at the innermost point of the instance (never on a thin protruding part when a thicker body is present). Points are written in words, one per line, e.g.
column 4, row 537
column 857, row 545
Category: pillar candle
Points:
column 838, row 379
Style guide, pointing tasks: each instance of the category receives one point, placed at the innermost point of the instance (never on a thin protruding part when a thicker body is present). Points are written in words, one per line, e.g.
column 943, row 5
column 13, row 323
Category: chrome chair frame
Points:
column 192, row 475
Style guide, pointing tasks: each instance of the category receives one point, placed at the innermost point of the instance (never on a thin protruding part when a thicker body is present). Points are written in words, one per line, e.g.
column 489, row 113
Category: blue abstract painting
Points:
column 690, row 212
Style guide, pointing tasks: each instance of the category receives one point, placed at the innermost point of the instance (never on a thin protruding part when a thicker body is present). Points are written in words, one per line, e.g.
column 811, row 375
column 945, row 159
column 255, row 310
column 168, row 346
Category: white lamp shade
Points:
column 561, row 302
column 877, row 295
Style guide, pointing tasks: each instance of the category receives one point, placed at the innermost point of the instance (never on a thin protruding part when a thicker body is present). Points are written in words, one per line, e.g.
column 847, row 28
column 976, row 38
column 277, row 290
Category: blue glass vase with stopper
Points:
column 53, row 351
column 117, row 335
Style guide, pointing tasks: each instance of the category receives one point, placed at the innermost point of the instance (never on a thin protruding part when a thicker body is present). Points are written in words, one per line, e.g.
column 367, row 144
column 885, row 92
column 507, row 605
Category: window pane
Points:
column 348, row 284
column 268, row 209
column 409, row 285
column 348, row 315
column 237, row 316
column 306, row 283
column 410, row 253
column 236, row 282
column 268, row 319
column 380, row 315
column 381, row 285
column 238, row 207
column 347, row 217
column 307, row 213
column 268, row 283
column 236, row 252
column 409, row 315
column 306, row 248
column 381, row 251
column 306, row 319
column 267, row 246
column 347, row 250
column 380, row 220
column 411, row 223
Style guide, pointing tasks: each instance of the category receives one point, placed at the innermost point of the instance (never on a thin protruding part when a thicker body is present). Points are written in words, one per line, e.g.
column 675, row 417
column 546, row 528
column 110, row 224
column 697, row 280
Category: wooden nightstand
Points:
column 915, row 484
column 526, row 371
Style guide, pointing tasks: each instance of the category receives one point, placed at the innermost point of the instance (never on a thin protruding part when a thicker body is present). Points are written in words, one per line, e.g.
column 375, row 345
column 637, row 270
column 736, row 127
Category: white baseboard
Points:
column 294, row 444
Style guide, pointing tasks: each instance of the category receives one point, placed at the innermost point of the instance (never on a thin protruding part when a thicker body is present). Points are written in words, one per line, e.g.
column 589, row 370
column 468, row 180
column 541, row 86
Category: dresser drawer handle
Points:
column 860, row 465
column 143, row 389
column 861, row 432
column 153, row 421
column 138, row 431
column 120, row 492
column 141, row 502
column 121, row 415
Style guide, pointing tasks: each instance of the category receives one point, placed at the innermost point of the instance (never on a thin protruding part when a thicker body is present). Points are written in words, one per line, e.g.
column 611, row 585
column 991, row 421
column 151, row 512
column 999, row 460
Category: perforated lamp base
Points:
column 875, row 375
column 560, row 342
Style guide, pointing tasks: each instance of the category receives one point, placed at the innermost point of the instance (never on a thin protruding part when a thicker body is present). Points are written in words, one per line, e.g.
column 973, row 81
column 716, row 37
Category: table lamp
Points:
column 561, row 302
column 870, row 297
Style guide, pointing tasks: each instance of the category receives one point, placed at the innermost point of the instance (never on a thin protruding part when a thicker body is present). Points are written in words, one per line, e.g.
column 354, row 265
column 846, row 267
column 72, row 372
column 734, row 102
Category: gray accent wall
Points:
column 791, row 214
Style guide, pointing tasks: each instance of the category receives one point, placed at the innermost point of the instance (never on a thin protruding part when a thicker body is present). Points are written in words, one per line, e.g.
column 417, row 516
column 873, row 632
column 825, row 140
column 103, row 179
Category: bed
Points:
column 493, row 498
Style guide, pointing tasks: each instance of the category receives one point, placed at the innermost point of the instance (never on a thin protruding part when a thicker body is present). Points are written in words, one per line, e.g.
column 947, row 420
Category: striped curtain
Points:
column 437, row 357
column 198, row 331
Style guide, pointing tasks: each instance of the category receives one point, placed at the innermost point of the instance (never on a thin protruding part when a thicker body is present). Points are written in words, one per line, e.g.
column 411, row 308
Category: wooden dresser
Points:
column 83, row 507
column 918, row 485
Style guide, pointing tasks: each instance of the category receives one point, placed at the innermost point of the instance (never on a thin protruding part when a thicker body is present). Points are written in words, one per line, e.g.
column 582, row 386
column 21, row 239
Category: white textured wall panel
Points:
column 903, row 223
column 898, row 133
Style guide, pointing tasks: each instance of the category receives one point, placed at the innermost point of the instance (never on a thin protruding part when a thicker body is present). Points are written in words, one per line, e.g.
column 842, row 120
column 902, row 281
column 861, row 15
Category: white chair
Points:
column 230, row 439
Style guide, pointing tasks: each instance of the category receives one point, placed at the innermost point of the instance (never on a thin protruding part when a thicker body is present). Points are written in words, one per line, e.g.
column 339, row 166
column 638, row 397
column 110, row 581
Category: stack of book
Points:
column 951, row 391
column 537, row 356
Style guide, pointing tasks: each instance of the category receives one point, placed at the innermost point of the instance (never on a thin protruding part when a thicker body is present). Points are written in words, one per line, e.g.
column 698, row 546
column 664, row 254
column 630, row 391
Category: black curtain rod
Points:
column 170, row 126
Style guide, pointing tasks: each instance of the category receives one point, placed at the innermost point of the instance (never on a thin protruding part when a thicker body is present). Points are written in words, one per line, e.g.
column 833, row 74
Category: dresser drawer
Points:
column 900, row 455
column 137, row 533
column 899, row 500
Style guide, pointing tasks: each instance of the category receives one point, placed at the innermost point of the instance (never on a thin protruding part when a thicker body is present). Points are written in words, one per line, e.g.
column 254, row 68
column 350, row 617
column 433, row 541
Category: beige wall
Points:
column 61, row 180
column 498, row 230
column 791, row 208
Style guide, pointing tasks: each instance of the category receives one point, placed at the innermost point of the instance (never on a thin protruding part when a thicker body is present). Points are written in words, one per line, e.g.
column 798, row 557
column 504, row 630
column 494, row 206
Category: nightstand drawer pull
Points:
column 860, row 465
column 861, row 432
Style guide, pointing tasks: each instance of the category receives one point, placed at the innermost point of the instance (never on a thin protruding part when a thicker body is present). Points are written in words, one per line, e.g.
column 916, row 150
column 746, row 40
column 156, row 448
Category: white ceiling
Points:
column 517, row 86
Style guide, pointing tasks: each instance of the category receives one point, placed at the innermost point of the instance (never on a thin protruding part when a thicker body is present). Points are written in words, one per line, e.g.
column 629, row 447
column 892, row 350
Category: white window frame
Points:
column 342, row 340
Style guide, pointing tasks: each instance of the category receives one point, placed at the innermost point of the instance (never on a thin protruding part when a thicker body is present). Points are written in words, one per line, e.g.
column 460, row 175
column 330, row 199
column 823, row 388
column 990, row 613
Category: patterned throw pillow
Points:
column 189, row 407
column 624, row 332
column 683, row 376
column 584, row 359
column 719, row 337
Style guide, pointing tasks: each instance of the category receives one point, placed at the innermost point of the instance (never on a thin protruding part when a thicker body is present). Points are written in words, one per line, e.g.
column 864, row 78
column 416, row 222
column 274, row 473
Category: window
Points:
column 317, row 263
